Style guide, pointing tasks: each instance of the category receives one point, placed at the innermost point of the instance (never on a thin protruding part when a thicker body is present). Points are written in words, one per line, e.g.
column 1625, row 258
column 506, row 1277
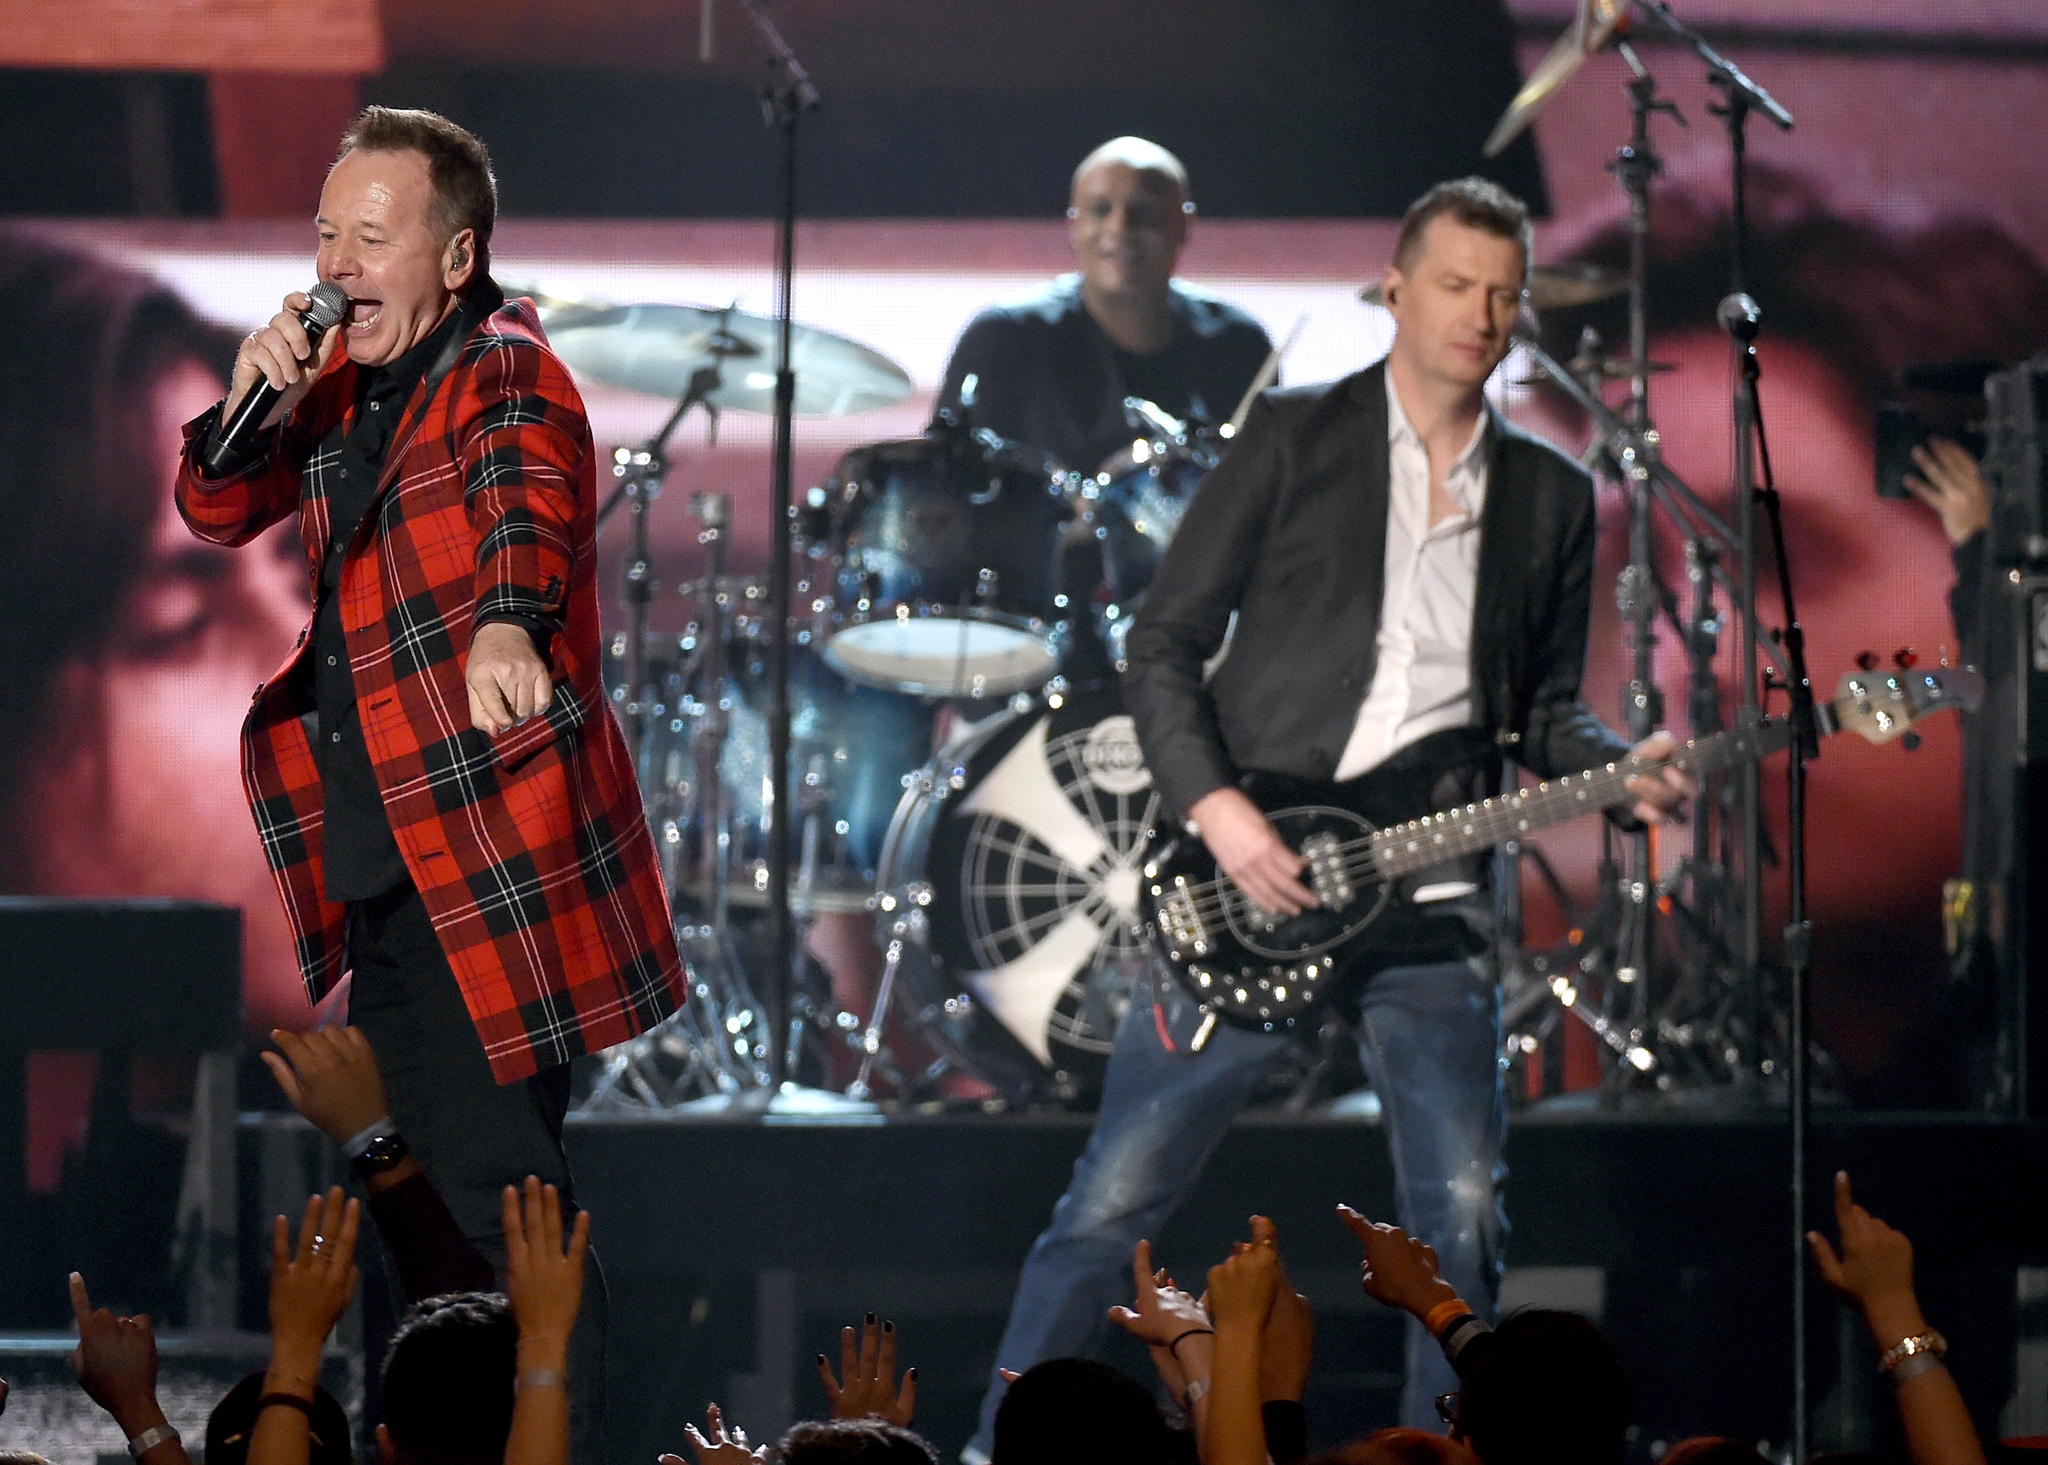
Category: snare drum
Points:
column 1028, row 831
column 943, row 552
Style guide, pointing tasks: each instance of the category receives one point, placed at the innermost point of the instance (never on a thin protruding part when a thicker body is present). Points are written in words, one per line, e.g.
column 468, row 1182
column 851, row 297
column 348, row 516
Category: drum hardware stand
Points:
column 708, row 1035
column 906, row 908
column 1632, row 453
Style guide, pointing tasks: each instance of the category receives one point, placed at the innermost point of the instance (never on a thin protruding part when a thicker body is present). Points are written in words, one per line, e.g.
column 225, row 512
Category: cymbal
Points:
column 657, row 348
column 553, row 306
column 1591, row 28
column 1553, row 287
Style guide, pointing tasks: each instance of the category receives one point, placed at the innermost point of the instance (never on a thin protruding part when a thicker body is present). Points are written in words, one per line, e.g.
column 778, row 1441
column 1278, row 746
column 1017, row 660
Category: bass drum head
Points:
column 1029, row 833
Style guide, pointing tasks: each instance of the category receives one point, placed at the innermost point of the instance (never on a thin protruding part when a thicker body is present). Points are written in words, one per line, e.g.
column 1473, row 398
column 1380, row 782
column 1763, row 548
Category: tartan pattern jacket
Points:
column 531, row 849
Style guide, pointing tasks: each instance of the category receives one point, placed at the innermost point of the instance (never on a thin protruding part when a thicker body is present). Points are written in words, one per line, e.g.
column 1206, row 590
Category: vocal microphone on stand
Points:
column 1740, row 316
column 327, row 303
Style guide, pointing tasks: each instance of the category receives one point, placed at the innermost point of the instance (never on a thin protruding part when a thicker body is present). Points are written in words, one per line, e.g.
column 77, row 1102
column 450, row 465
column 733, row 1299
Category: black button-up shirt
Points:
column 360, row 856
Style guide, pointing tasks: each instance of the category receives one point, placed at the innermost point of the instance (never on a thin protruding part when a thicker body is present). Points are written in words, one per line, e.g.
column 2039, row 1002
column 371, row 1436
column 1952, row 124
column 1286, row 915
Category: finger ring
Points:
column 319, row 1246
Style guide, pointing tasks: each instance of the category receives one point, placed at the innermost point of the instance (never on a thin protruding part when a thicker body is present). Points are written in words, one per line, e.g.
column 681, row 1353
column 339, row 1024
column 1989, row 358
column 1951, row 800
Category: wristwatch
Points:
column 381, row 1155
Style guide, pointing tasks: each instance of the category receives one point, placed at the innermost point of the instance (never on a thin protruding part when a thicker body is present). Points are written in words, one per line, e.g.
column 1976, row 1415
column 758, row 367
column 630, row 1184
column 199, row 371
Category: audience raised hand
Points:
column 544, row 1285
column 1286, row 1351
column 1176, row 1331
column 867, row 1363
column 331, row 1077
column 310, row 1287
column 1873, row 1273
column 1240, row 1298
column 1398, row 1271
column 116, row 1365
column 721, row 1446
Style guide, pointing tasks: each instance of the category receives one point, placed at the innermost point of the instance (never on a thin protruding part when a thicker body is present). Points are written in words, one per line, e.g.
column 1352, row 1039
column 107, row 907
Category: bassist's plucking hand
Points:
column 1250, row 851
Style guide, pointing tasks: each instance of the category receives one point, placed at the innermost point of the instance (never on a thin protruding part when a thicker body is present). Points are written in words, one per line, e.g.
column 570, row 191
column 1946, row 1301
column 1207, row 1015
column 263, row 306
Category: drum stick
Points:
column 1268, row 374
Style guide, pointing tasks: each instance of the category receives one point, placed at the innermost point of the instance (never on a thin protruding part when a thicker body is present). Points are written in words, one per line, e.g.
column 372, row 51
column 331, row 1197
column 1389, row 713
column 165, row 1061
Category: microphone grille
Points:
column 329, row 305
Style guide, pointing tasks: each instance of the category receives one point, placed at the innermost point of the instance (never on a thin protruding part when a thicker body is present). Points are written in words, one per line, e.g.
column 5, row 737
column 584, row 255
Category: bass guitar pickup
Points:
column 1180, row 919
column 1327, row 875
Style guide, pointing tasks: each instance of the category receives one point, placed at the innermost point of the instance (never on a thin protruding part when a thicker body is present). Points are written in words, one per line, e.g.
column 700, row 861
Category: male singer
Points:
column 446, row 802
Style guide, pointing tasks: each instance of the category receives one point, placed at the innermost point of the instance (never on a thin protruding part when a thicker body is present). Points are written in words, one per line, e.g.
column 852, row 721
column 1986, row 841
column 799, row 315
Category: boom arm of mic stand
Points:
column 802, row 93
column 1725, row 73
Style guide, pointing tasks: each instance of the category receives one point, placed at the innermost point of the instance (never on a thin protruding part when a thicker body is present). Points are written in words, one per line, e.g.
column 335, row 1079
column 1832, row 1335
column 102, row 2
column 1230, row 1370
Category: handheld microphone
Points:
column 1740, row 316
column 328, row 304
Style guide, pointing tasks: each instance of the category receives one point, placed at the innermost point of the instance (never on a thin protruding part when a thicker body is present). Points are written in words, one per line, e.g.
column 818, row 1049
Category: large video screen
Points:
column 1902, row 220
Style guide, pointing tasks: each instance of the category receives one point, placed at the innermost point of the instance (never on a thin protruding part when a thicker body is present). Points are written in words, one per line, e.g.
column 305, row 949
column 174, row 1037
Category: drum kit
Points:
column 965, row 791
column 951, row 789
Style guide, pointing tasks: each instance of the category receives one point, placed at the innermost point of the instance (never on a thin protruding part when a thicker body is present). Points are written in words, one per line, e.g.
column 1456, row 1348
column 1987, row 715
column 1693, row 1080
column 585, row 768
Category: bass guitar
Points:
column 1363, row 838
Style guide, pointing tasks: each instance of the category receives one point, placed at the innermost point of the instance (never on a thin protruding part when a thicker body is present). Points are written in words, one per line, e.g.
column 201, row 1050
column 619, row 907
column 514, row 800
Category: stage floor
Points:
column 735, row 1250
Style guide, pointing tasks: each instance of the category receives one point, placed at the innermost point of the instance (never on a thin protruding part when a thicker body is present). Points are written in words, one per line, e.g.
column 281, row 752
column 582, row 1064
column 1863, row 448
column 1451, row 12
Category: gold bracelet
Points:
column 1927, row 1342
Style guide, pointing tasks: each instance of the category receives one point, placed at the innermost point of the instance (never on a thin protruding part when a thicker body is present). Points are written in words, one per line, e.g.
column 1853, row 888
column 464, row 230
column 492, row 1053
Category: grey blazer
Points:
column 1289, row 531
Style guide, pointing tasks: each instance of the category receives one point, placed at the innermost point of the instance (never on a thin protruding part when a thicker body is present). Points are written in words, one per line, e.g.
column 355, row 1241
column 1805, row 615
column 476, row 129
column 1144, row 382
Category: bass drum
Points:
column 1026, row 833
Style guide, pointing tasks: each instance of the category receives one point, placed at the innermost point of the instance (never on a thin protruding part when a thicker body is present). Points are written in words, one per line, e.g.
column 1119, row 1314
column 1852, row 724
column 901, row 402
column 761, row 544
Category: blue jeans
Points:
column 1430, row 1039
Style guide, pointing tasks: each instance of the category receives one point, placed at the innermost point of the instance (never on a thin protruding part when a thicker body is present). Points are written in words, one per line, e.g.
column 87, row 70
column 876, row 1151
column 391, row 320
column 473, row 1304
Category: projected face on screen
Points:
column 134, row 646
column 1849, row 297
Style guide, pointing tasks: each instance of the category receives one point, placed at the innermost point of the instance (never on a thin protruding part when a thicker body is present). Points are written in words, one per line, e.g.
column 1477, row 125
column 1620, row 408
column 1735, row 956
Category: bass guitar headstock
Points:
column 1882, row 705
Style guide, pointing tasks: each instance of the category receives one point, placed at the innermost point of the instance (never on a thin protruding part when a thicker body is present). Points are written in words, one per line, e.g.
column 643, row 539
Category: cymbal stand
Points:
column 1632, row 452
column 709, row 1035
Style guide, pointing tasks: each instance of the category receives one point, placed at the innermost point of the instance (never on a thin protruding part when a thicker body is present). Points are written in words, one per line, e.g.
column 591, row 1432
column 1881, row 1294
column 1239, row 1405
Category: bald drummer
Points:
column 1052, row 370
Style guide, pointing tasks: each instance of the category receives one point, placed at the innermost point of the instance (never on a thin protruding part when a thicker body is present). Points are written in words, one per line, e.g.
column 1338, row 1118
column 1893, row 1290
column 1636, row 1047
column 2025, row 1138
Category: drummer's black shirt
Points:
column 1046, row 375
column 1049, row 377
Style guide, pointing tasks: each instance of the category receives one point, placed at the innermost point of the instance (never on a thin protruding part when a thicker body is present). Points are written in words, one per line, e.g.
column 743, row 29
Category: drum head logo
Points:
column 1112, row 759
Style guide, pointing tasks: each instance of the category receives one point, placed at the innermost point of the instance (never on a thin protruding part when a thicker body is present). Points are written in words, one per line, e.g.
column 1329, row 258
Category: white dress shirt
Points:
column 1422, row 681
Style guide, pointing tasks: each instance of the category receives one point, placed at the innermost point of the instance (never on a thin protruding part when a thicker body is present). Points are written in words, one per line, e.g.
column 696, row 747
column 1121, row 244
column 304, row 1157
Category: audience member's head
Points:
column 448, row 1382
column 1710, row 1449
column 233, row 1421
column 1073, row 1411
column 1399, row 1447
column 1547, row 1389
column 22, row 1457
column 853, row 1442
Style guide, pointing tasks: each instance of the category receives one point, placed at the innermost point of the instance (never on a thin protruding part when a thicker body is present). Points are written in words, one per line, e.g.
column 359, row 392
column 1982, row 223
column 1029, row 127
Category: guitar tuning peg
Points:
column 1867, row 660
column 1904, row 658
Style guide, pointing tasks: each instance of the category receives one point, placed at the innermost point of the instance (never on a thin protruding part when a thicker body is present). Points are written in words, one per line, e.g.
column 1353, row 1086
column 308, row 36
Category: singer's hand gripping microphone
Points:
column 328, row 303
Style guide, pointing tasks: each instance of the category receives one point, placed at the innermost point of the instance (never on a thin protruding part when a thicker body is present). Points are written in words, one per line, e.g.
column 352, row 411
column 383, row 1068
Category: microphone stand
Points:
column 1740, row 318
column 1742, row 326
column 784, row 99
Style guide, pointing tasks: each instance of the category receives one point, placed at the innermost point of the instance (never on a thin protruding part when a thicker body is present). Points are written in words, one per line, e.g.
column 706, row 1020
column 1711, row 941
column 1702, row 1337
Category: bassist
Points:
column 1402, row 563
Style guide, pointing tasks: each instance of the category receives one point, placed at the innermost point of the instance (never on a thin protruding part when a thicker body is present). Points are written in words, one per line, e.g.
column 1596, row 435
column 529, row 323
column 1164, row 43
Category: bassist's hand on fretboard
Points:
column 1245, row 845
column 1658, row 794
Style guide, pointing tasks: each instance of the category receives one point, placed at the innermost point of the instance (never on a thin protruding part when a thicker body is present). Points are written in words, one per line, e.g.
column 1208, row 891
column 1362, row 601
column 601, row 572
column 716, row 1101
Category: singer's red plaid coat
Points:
column 530, row 849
